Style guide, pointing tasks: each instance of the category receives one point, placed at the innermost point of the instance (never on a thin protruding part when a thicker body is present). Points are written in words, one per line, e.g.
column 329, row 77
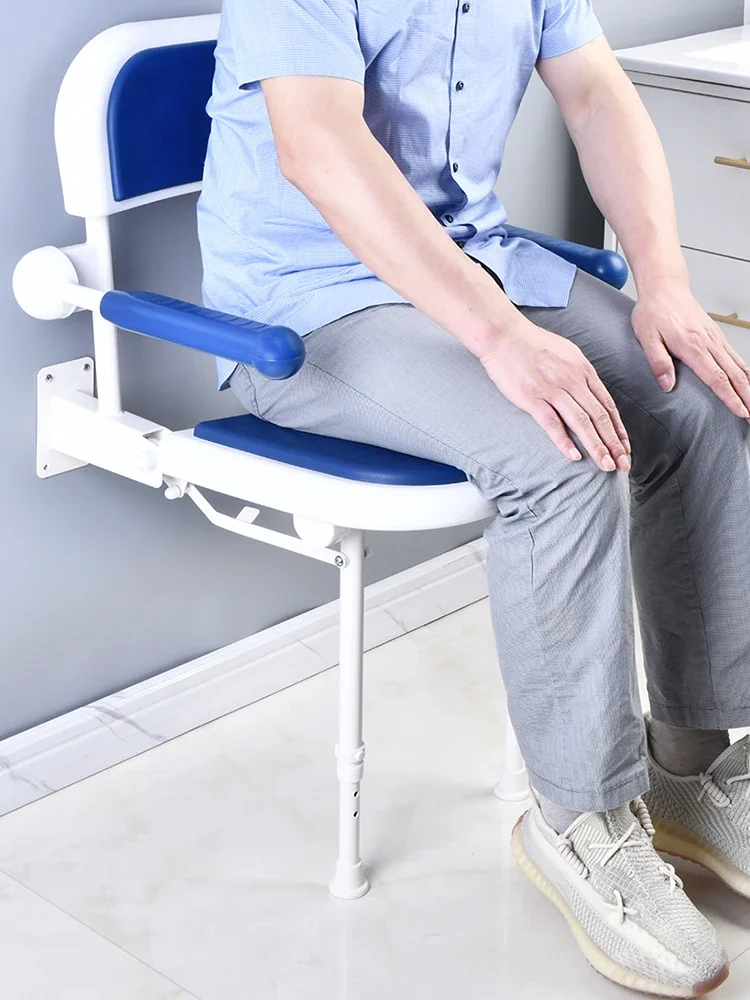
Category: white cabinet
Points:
column 722, row 286
column 697, row 91
column 713, row 199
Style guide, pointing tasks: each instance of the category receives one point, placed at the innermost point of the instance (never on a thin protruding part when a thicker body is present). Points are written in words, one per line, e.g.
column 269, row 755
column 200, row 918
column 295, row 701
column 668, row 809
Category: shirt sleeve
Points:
column 568, row 24
column 294, row 38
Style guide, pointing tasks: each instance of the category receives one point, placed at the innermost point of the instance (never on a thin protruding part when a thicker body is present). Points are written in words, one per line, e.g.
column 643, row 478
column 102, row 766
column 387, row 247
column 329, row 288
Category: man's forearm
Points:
column 627, row 173
column 360, row 192
column 327, row 151
column 625, row 167
column 622, row 160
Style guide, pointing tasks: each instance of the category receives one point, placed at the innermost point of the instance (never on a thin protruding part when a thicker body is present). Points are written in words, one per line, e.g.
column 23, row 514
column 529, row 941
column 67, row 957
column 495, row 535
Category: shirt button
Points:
column 449, row 218
column 460, row 85
column 455, row 168
column 466, row 8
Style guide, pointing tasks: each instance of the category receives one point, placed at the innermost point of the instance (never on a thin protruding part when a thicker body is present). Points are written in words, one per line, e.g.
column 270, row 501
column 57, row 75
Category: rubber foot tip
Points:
column 349, row 882
column 513, row 787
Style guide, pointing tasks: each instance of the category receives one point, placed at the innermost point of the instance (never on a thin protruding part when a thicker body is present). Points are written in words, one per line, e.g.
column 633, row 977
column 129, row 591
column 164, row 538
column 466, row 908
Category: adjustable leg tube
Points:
column 349, row 881
column 513, row 783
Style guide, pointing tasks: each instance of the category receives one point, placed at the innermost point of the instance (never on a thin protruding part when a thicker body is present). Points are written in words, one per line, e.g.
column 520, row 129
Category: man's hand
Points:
column 626, row 170
column 668, row 323
column 551, row 379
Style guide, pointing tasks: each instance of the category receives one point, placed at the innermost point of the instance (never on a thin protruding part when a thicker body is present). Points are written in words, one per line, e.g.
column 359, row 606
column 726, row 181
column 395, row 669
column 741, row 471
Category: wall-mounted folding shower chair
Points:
column 131, row 128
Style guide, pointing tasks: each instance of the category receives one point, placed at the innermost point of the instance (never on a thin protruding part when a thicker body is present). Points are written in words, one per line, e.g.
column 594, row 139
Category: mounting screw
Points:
column 48, row 377
column 45, row 467
column 87, row 367
column 340, row 562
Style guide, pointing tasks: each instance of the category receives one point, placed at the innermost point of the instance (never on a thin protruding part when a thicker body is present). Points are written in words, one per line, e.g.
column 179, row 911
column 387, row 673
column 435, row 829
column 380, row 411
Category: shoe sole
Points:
column 673, row 838
column 593, row 954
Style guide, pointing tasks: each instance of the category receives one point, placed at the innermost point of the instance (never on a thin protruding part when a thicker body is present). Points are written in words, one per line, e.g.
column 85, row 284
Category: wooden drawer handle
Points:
column 724, row 161
column 731, row 320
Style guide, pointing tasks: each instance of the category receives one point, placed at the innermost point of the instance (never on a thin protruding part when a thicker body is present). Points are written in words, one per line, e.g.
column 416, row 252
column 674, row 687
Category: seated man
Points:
column 349, row 195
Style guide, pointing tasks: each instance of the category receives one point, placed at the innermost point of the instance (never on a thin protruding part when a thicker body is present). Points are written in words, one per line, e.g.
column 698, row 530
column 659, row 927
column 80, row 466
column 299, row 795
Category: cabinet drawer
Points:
column 722, row 286
column 713, row 201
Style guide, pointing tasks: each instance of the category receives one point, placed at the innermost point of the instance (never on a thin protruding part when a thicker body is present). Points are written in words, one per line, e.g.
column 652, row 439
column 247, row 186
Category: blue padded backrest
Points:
column 157, row 125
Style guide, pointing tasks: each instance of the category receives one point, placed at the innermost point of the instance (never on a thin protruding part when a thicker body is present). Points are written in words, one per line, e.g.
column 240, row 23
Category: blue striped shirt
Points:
column 443, row 80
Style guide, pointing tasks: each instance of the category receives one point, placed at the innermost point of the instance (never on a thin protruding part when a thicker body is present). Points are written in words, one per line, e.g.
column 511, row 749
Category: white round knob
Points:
column 39, row 282
column 316, row 532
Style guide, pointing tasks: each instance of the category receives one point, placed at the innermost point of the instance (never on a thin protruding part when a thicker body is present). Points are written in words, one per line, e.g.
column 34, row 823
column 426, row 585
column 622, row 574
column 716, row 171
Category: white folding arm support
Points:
column 76, row 429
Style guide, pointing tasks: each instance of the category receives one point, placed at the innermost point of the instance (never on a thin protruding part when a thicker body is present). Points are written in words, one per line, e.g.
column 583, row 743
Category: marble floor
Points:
column 199, row 869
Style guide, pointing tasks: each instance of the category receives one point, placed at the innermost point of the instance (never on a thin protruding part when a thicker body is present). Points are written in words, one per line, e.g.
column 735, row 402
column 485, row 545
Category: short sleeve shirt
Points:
column 443, row 80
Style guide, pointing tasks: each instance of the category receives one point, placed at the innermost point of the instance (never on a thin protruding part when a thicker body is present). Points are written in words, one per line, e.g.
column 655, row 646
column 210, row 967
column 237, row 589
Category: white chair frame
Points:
column 76, row 428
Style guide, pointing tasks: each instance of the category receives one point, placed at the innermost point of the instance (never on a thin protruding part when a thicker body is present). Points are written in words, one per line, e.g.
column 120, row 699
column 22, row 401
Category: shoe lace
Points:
column 643, row 820
column 716, row 793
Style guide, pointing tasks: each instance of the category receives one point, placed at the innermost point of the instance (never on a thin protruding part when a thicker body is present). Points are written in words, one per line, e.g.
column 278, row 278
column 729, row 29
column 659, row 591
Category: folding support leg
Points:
column 349, row 881
column 513, row 784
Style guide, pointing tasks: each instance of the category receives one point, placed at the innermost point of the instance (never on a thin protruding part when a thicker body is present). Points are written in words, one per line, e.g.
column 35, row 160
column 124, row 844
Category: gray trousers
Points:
column 568, row 539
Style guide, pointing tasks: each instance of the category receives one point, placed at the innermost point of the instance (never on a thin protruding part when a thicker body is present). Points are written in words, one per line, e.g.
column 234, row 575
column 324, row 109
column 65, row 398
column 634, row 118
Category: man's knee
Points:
column 545, row 484
column 694, row 416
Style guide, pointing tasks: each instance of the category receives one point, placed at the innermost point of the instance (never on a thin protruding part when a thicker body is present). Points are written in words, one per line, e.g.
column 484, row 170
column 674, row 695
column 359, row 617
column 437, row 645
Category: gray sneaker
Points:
column 705, row 818
column 625, row 905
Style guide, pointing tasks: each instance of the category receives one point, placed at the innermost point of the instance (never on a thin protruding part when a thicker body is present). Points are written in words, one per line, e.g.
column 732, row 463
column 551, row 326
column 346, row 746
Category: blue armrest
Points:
column 275, row 351
column 604, row 264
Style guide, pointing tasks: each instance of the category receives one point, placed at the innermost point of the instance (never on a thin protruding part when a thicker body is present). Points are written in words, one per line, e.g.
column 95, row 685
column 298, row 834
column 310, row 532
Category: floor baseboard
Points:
column 90, row 739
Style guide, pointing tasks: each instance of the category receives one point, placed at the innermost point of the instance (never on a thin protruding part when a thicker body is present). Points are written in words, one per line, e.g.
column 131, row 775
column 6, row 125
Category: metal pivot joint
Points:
column 244, row 524
column 350, row 767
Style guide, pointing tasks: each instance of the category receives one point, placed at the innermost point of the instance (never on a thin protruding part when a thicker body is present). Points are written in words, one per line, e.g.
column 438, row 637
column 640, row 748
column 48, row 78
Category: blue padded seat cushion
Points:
column 364, row 463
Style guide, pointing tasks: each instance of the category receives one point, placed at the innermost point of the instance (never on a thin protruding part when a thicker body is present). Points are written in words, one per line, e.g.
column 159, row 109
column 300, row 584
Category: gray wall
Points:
column 104, row 582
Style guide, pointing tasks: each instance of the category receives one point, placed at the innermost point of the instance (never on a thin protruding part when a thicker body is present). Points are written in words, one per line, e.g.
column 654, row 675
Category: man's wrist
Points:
column 486, row 316
column 655, row 257
column 496, row 336
column 654, row 282
column 487, row 325
column 660, row 269
column 485, row 341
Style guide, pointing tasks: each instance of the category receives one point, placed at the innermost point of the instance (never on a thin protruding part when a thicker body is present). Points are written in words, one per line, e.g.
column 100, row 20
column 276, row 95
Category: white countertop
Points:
column 717, row 57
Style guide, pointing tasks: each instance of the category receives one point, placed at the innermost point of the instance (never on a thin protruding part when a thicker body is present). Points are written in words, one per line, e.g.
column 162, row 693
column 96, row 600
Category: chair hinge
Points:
column 244, row 524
